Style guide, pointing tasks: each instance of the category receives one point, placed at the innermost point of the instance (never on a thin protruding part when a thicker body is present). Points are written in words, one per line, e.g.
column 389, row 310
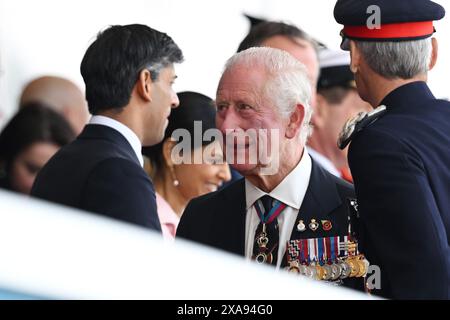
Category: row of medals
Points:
column 266, row 256
column 352, row 266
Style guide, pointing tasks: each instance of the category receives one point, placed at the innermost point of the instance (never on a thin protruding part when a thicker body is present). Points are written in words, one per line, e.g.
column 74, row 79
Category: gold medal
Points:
column 353, row 267
column 362, row 269
column 363, row 265
column 320, row 273
column 366, row 264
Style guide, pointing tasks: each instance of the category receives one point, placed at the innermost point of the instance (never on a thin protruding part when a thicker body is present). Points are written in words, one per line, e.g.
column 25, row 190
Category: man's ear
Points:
column 320, row 112
column 295, row 121
column 144, row 85
column 434, row 53
column 355, row 55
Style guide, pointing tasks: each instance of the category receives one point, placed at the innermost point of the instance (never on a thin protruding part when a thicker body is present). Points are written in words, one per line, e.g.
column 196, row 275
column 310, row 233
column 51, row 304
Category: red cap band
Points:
column 391, row 31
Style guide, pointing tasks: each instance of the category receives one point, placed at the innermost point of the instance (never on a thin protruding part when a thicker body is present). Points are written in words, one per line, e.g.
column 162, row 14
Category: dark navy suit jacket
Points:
column 99, row 172
column 401, row 170
column 218, row 219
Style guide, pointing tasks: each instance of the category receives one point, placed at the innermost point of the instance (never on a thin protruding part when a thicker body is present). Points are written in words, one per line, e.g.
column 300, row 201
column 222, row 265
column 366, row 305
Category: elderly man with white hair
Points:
column 287, row 211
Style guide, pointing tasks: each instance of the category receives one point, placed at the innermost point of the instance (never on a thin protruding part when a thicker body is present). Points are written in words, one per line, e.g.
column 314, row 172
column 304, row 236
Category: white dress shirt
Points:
column 290, row 191
column 128, row 134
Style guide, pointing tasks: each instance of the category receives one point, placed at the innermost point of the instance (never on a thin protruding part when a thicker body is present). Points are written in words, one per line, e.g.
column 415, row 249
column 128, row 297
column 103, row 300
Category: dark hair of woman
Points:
column 193, row 107
column 34, row 123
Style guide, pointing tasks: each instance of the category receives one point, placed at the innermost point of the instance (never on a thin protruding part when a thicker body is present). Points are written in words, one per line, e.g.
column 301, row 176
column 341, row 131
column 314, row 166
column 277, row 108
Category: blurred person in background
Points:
column 61, row 95
column 337, row 101
column 290, row 38
column 177, row 184
column 27, row 142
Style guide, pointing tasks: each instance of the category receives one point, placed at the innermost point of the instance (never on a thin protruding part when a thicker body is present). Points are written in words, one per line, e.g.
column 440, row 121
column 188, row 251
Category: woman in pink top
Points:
column 176, row 184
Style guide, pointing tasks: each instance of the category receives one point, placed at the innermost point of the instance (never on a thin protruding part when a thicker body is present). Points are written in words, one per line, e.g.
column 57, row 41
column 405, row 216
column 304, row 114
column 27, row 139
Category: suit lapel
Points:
column 230, row 231
column 320, row 200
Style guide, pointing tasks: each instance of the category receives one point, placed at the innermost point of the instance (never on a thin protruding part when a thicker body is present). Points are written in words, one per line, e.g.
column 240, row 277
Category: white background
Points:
column 50, row 37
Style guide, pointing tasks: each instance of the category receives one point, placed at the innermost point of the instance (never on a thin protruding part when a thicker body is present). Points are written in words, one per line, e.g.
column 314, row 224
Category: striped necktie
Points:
column 265, row 247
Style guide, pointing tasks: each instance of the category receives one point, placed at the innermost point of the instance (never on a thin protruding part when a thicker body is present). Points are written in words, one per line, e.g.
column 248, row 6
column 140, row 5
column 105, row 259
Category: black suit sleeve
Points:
column 120, row 189
column 187, row 227
column 405, row 233
column 196, row 221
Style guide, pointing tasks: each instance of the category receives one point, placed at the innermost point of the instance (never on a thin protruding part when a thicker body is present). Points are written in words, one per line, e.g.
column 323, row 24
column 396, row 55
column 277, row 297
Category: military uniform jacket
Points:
column 401, row 170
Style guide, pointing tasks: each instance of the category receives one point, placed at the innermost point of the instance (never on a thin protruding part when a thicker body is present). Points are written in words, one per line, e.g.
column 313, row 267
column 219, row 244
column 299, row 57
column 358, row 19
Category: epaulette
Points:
column 358, row 123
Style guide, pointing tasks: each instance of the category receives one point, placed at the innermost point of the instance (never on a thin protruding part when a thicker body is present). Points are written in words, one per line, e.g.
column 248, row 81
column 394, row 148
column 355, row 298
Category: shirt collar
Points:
column 165, row 212
column 129, row 135
column 290, row 191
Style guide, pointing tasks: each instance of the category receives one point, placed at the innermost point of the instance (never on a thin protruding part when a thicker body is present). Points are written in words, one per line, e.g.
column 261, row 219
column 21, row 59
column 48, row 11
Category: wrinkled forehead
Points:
column 242, row 79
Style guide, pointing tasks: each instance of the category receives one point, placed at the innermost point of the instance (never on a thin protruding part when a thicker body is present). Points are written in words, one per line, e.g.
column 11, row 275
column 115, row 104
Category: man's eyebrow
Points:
column 300, row 42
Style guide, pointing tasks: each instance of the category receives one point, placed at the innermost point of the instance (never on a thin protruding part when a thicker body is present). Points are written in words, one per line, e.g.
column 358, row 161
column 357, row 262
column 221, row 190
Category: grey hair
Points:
column 288, row 83
column 392, row 60
column 155, row 68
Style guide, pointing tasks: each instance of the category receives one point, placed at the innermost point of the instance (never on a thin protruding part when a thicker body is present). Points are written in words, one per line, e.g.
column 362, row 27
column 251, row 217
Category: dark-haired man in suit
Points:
column 128, row 71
